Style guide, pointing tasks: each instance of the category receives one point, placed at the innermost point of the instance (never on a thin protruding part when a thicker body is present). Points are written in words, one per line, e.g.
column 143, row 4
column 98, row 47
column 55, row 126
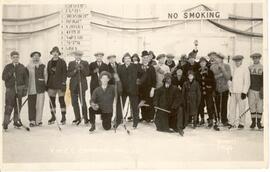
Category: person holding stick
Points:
column 56, row 84
column 16, row 79
column 239, row 86
column 168, row 102
column 222, row 73
column 78, row 70
column 102, row 101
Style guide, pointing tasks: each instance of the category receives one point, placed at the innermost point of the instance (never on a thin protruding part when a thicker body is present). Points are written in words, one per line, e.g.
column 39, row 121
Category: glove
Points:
column 261, row 93
column 152, row 92
column 63, row 88
column 52, row 70
column 243, row 96
column 96, row 70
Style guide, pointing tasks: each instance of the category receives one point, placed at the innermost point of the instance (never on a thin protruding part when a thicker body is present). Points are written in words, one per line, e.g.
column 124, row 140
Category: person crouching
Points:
column 102, row 101
column 169, row 107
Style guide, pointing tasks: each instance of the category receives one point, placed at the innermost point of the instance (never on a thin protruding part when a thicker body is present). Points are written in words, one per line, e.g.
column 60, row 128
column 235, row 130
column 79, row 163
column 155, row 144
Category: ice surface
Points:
column 144, row 147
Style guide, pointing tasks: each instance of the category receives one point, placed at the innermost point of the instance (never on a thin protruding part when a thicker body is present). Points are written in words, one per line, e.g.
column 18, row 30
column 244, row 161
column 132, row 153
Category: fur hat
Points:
column 161, row 56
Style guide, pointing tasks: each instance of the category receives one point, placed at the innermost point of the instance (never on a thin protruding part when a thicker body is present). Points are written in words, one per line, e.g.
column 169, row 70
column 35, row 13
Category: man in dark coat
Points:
column 208, row 85
column 56, row 83
column 147, row 84
column 78, row 70
column 112, row 67
column 16, row 78
column 128, row 74
column 95, row 68
column 168, row 97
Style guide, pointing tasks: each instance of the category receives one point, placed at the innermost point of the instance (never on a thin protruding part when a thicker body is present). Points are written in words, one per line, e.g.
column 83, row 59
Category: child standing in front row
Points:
column 192, row 98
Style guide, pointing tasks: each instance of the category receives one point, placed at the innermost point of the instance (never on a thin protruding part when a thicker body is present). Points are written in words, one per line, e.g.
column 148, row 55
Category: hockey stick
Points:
column 17, row 102
column 80, row 87
column 216, row 112
column 124, row 117
column 60, row 129
column 161, row 109
column 240, row 116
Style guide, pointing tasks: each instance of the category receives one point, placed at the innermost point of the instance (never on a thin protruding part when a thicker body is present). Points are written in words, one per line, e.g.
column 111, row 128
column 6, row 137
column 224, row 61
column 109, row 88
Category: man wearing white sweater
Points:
column 239, row 87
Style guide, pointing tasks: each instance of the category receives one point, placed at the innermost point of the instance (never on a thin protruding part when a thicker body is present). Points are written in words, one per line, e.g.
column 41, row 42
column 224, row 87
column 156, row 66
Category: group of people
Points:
column 170, row 95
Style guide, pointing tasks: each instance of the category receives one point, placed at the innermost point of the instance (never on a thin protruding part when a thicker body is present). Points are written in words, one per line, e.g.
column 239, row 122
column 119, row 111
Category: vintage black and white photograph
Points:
column 140, row 85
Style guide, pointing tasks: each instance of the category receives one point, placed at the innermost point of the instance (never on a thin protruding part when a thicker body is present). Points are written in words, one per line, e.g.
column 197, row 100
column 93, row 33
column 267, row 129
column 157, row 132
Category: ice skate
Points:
column 93, row 127
column 17, row 124
column 63, row 120
column 76, row 122
column 52, row 120
column 253, row 124
column 216, row 127
column 181, row 132
column 32, row 124
column 240, row 126
column 259, row 124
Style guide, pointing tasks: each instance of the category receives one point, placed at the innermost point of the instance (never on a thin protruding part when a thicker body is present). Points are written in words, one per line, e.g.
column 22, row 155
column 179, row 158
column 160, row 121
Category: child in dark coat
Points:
column 192, row 97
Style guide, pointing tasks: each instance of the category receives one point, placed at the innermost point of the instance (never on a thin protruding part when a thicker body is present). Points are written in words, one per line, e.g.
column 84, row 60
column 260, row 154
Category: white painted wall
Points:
column 177, row 40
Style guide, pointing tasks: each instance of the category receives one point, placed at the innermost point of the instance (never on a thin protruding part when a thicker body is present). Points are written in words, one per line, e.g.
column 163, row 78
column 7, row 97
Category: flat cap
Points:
column 161, row 56
column 99, row 54
column 35, row 52
column 170, row 55
column 105, row 73
column 212, row 53
column 78, row 53
column 238, row 57
column 14, row 53
column 111, row 56
column 256, row 55
column 221, row 56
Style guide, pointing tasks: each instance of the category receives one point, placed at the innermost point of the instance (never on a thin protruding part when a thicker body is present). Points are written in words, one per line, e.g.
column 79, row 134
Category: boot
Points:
column 5, row 127
column 240, row 126
column 181, row 132
column 76, row 121
column 86, row 122
column 32, row 124
column 194, row 123
column 210, row 123
column 202, row 121
column 52, row 120
column 63, row 120
column 216, row 127
column 93, row 127
column 17, row 124
column 259, row 124
column 253, row 124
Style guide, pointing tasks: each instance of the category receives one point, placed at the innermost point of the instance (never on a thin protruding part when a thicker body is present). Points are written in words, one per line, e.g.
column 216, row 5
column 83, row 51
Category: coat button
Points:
column 203, row 88
column 204, row 93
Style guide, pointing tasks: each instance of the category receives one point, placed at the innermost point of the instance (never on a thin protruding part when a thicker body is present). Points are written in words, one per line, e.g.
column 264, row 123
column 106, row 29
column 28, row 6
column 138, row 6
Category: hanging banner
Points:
column 75, row 29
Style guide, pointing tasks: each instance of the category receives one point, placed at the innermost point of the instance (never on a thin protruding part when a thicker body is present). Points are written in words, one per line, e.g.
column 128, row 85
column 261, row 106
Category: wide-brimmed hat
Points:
column 237, row 57
column 135, row 55
column 144, row 53
column 35, row 52
column 259, row 55
column 55, row 49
